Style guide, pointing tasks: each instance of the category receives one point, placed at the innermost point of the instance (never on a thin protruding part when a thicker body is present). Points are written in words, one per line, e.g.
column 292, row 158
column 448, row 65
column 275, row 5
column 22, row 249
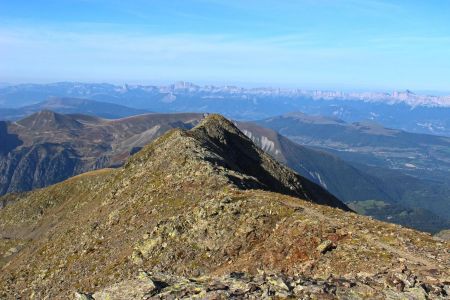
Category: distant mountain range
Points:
column 91, row 89
column 72, row 106
column 401, row 110
column 48, row 147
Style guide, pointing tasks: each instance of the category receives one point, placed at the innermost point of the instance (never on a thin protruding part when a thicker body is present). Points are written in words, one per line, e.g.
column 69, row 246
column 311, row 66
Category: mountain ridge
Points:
column 406, row 111
column 178, row 205
column 224, row 132
column 103, row 143
column 406, row 96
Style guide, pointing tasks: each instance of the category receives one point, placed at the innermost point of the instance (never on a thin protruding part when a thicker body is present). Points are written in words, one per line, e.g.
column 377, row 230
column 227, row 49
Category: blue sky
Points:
column 325, row 44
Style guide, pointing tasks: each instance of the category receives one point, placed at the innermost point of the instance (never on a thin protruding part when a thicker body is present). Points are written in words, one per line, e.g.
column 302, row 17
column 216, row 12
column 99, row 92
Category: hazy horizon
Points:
column 236, row 84
column 346, row 45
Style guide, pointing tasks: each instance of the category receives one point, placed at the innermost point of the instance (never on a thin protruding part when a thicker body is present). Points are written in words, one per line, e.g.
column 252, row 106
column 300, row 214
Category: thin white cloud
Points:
column 44, row 42
column 289, row 59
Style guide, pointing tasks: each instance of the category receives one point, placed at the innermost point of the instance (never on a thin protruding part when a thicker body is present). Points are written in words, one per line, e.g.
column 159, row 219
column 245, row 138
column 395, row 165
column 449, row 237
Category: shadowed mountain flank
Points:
column 8, row 141
column 238, row 153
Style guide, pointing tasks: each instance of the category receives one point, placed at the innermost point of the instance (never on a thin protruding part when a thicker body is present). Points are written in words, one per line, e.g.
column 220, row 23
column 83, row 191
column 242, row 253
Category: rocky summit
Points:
column 204, row 213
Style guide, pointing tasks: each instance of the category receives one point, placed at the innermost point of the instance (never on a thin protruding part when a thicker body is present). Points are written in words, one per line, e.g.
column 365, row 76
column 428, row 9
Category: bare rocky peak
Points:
column 233, row 154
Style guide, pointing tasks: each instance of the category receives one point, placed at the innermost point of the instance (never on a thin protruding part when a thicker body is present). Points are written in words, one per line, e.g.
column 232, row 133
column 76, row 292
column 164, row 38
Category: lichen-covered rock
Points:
column 82, row 296
column 325, row 246
column 129, row 289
